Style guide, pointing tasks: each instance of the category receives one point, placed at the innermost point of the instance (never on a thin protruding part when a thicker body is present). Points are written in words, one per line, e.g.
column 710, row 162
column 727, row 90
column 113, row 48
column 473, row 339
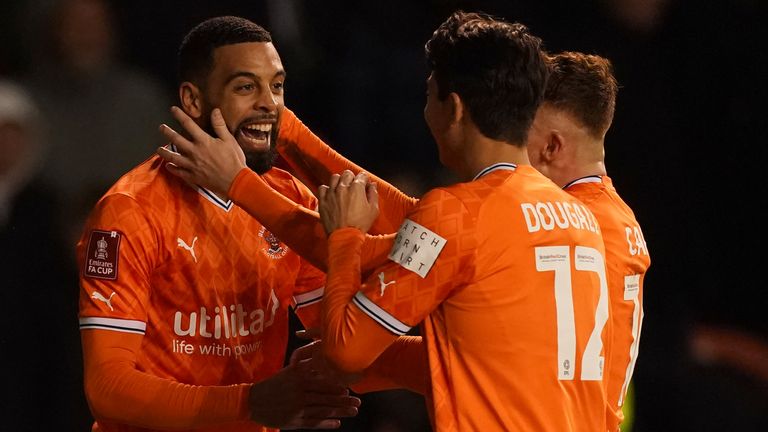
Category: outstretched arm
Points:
column 218, row 164
column 313, row 162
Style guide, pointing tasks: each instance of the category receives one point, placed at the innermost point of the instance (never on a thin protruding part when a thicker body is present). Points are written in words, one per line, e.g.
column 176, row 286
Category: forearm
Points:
column 351, row 339
column 313, row 162
column 299, row 227
column 117, row 391
column 402, row 365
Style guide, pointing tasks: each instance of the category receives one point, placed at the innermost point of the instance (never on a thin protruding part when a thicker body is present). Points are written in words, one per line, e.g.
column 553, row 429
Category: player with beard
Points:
column 184, row 297
column 462, row 254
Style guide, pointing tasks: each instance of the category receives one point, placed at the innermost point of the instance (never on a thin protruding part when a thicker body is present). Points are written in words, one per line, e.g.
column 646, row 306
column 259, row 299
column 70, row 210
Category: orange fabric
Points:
column 627, row 258
column 298, row 226
column 120, row 393
column 206, row 285
column 287, row 219
column 499, row 356
column 341, row 319
column 388, row 373
column 313, row 162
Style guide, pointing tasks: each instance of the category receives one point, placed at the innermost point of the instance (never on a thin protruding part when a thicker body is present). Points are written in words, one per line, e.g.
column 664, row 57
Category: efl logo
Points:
column 101, row 256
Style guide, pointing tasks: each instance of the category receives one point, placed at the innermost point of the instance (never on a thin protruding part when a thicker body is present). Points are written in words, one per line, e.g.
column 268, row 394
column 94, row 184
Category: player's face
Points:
column 246, row 83
column 437, row 114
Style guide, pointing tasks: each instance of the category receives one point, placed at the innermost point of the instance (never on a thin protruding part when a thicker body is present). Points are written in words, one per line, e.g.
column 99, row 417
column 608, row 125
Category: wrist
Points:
column 238, row 183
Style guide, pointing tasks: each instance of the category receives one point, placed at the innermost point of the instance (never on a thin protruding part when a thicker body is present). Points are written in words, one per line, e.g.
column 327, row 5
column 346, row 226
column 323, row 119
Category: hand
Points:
column 212, row 163
column 308, row 334
column 301, row 397
column 348, row 201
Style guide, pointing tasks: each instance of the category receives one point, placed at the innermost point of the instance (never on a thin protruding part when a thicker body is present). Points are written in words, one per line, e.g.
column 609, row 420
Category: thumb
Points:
column 219, row 125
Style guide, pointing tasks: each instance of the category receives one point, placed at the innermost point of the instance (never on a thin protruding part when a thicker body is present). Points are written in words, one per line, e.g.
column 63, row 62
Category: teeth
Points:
column 263, row 127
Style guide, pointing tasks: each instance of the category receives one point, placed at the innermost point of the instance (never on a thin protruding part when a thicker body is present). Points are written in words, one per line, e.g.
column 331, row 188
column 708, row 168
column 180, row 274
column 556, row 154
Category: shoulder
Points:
column 143, row 189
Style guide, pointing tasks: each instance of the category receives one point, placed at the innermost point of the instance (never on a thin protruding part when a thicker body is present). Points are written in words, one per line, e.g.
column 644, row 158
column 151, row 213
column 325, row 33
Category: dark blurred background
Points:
column 85, row 83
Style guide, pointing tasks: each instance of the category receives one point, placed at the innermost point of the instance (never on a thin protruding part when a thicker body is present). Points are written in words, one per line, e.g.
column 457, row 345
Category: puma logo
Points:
column 97, row 295
column 184, row 245
column 383, row 284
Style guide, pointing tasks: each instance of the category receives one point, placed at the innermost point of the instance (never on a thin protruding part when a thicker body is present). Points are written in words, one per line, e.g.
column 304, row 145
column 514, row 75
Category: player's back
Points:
column 518, row 347
column 627, row 260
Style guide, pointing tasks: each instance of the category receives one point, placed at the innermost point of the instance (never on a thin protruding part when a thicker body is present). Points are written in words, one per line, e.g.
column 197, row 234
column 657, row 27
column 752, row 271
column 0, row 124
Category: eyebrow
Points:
column 251, row 75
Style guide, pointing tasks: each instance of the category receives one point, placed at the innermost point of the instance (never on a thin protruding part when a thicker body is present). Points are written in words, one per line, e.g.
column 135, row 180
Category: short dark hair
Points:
column 195, row 57
column 584, row 86
column 496, row 67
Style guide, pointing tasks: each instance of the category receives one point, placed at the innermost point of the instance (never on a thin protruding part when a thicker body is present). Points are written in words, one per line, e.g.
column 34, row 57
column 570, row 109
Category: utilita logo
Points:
column 226, row 322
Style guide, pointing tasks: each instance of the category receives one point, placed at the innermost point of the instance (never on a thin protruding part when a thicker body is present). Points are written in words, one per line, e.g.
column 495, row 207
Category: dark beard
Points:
column 261, row 162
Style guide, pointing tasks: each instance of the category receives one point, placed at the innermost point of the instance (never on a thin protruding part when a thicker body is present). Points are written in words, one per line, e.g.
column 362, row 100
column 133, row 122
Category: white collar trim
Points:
column 587, row 179
column 210, row 196
column 494, row 167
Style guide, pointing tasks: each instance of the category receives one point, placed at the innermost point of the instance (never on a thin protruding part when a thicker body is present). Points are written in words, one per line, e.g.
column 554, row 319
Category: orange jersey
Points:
column 506, row 275
column 627, row 258
column 204, row 283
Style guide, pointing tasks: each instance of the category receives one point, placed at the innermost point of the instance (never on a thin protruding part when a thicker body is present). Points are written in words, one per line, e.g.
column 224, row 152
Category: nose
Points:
column 267, row 101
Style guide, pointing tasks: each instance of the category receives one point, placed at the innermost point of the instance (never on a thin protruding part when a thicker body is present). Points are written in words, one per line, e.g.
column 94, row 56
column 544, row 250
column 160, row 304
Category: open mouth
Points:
column 255, row 136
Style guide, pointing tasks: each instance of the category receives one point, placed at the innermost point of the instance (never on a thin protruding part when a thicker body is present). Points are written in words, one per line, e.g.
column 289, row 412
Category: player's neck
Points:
column 485, row 152
column 578, row 171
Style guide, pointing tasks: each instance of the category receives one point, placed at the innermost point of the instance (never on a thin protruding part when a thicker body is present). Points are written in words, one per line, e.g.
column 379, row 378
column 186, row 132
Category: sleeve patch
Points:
column 416, row 248
column 102, row 255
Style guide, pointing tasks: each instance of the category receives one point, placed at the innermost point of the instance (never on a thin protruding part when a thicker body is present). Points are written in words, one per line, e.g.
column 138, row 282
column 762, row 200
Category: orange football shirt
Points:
column 506, row 275
column 627, row 258
column 204, row 283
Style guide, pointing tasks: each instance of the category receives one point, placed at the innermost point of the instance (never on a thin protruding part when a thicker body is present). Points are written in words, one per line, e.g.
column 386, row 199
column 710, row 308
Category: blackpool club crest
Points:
column 273, row 247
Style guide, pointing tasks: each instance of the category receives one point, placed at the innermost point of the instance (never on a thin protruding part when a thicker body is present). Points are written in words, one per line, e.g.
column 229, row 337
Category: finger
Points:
column 173, row 158
column 372, row 193
column 322, row 192
column 312, row 333
column 179, row 172
column 189, row 125
column 182, row 144
column 358, row 187
column 361, row 177
column 219, row 125
column 346, row 178
column 332, row 401
column 320, row 413
column 334, row 182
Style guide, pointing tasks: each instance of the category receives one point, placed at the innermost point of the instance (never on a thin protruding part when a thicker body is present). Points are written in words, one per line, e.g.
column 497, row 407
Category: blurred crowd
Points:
column 84, row 84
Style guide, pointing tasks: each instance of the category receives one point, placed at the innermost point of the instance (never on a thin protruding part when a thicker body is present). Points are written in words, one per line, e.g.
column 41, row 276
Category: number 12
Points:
column 558, row 259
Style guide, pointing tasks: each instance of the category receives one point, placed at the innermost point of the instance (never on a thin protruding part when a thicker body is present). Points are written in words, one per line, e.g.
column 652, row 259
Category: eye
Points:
column 245, row 87
column 278, row 86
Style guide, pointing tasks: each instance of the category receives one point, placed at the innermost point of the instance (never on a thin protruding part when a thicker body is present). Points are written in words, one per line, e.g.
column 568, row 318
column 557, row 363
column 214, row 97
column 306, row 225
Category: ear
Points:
column 190, row 97
column 554, row 147
column 456, row 107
